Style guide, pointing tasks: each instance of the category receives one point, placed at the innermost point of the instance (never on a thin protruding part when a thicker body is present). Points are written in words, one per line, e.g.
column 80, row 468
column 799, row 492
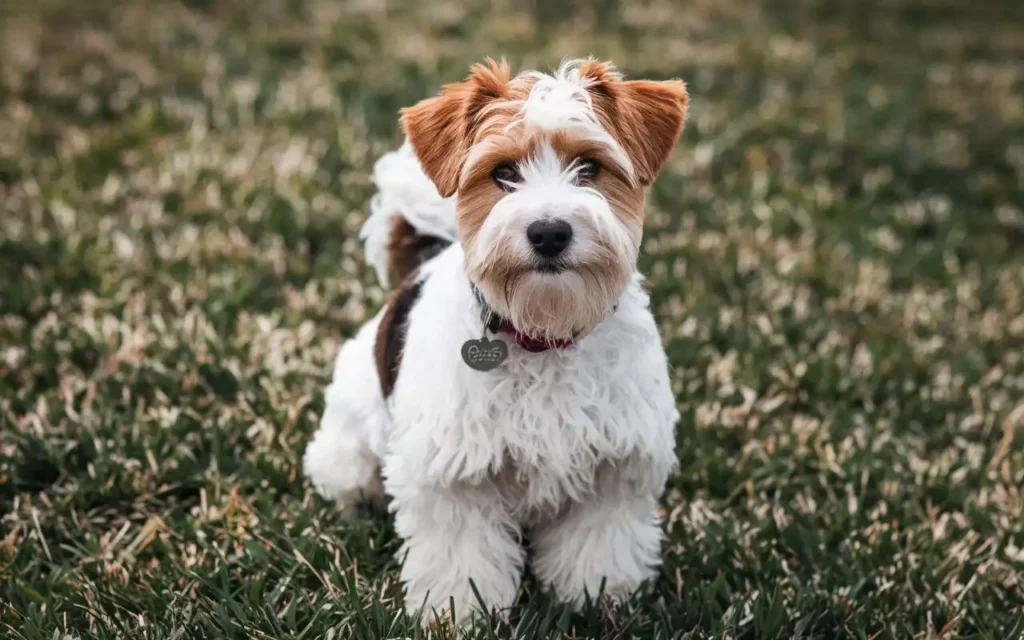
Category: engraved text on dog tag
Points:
column 484, row 354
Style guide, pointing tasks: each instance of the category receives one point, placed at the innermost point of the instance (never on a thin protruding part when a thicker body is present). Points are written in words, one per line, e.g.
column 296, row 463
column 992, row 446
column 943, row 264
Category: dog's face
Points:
column 549, row 171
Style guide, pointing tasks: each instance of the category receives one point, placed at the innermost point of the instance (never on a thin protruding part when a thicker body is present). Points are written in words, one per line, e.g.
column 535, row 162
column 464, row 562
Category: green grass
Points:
column 836, row 255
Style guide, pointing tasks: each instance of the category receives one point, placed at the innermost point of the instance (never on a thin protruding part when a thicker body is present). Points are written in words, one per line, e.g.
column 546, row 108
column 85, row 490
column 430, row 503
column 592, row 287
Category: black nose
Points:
column 549, row 237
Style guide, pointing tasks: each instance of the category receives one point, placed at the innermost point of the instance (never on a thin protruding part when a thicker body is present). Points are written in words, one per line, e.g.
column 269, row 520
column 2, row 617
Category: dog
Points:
column 515, row 382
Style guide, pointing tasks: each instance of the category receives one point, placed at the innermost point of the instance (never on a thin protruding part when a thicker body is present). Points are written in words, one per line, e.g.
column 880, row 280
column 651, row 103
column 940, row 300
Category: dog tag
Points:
column 484, row 354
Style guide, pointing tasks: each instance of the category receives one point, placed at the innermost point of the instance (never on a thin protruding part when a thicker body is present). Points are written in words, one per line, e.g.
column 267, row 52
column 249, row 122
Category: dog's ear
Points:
column 441, row 128
column 645, row 116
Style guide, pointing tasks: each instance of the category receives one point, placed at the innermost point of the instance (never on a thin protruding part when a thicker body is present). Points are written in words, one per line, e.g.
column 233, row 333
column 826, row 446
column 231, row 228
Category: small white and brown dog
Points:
column 515, row 382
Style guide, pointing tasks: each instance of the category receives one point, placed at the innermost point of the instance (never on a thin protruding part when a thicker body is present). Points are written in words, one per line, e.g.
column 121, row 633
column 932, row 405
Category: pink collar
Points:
column 528, row 342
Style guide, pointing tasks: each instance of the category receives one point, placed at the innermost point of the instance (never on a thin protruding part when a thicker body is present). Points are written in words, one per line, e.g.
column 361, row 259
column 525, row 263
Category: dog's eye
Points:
column 506, row 177
column 588, row 170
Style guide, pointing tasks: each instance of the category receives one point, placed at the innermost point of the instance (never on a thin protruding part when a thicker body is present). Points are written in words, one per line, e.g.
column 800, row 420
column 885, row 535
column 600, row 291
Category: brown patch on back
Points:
column 408, row 249
column 391, row 332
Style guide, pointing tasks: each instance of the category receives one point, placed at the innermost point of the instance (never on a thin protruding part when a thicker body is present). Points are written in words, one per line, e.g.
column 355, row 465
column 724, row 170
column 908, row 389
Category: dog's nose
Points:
column 549, row 237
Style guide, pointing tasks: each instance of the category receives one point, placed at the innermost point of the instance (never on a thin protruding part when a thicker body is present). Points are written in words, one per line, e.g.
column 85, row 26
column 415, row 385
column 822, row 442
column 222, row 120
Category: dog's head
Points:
column 550, row 172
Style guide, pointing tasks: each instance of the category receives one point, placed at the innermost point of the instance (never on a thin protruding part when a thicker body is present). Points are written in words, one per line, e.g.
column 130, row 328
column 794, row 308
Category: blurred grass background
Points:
column 836, row 254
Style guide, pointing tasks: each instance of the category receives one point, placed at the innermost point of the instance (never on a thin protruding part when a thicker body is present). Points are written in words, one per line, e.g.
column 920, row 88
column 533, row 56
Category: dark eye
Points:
column 588, row 170
column 506, row 177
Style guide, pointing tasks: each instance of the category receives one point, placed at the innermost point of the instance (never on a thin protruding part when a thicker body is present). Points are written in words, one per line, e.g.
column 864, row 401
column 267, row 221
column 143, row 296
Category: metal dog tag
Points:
column 484, row 354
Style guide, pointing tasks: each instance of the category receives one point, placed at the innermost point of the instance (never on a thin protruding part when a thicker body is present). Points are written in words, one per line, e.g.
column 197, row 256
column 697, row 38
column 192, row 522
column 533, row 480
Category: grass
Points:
column 836, row 254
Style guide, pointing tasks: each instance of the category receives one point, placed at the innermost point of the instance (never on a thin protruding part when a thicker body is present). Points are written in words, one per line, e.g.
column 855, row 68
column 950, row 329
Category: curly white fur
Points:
column 573, row 444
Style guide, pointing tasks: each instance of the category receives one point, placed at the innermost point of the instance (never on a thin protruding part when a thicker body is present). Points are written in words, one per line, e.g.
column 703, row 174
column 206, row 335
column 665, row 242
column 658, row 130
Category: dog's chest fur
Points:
column 558, row 423
column 542, row 428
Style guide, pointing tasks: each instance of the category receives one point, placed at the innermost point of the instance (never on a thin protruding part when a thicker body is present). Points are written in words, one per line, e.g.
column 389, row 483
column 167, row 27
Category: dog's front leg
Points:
column 452, row 537
column 613, row 539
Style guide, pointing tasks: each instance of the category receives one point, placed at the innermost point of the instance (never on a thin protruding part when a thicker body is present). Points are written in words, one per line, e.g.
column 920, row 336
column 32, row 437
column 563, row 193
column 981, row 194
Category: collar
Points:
column 526, row 341
column 498, row 324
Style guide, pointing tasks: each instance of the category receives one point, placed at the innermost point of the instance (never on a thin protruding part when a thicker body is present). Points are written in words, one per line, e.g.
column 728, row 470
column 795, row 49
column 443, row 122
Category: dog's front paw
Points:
column 459, row 559
column 455, row 584
column 452, row 611
column 609, row 548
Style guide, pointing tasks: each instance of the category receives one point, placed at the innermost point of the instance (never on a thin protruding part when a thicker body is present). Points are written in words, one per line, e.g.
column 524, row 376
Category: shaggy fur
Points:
column 572, row 445
column 390, row 339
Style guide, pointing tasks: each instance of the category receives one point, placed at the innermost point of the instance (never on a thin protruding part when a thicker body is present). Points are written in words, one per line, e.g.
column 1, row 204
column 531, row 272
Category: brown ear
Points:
column 441, row 128
column 653, row 115
column 645, row 116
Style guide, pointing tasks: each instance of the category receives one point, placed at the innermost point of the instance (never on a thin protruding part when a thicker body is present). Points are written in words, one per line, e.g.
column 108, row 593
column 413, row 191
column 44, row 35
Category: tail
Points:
column 409, row 221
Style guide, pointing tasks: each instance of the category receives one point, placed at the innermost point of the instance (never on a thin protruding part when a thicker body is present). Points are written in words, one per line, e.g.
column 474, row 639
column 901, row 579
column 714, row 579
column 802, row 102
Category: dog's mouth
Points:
column 551, row 266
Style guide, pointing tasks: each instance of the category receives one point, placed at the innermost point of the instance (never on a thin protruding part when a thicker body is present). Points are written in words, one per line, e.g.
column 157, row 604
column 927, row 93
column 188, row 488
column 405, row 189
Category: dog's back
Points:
column 409, row 221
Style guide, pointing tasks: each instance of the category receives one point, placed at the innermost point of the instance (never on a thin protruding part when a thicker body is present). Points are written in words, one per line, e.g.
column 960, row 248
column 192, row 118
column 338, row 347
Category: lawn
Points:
column 836, row 259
